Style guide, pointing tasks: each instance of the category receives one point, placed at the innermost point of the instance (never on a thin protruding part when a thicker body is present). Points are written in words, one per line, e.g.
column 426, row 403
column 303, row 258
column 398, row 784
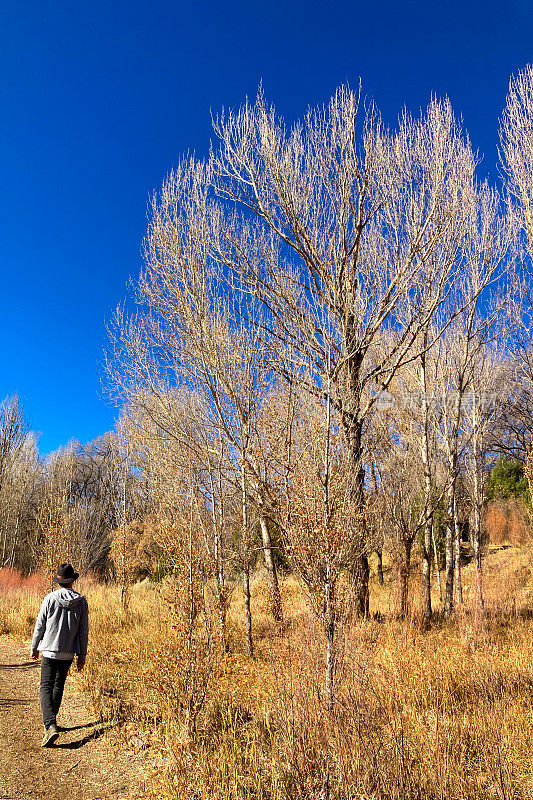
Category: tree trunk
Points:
column 403, row 579
column 353, row 431
column 222, row 594
column 379, row 570
column 222, row 589
column 14, row 545
column 222, row 603
column 246, row 563
column 275, row 596
column 362, row 580
column 479, row 569
column 457, row 558
column 478, row 511
column 448, row 591
column 436, row 557
column 217, row 516
column 426, row 575
column 247, row 611
column 477, row 555
column 424, row 452
column 453, row 533
column 330, row 639
column 124, row 597
column 379, row 550
column 4, row 547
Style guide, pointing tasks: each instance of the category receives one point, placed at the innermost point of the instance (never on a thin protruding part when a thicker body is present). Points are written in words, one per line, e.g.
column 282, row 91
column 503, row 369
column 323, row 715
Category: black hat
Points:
column 65, row 574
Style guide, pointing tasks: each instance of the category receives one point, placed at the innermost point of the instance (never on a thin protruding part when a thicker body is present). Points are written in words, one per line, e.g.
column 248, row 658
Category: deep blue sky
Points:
column 99, row 99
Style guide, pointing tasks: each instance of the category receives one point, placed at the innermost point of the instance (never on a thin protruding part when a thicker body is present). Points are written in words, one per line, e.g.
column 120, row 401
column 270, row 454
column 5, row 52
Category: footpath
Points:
column 84, row 764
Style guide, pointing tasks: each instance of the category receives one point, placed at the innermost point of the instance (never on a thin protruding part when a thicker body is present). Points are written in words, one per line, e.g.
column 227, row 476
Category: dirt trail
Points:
column 83, row 765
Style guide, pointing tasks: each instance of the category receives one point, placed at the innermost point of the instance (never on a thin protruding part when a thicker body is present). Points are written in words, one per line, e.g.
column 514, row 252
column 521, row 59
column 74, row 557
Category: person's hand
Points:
column 35, row 656
column 80, row 665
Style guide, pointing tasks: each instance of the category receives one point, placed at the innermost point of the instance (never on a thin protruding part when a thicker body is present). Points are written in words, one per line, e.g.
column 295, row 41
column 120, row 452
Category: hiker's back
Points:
column 65, row 611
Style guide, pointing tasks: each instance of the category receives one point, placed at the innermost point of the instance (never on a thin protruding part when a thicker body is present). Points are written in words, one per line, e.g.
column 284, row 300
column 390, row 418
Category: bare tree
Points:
column 170, row 442
column 480, row 298
column 96, row 500
column 53, row 510
column 320, row 520
column 402, row 512
column 406, row 460
column 18, row 495
column 18, row 473
column 427, row 447
column 13, row 432
column 347, row 233
column 517, row 147
column 516, row 136
column 192, row 333
column 488, row 389
column 330, row 254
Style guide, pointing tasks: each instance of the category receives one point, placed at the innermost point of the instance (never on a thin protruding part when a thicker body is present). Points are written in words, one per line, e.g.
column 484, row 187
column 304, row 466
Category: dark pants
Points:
column 53, row 676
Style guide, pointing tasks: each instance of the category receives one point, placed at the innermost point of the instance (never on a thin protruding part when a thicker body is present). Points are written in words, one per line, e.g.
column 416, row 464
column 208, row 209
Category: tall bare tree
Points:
column 18, row 495
column 488, row 392
column 17, row 475
column 320, row 520
column 517, row 147
column 346, row 230
column 194, row 331
column 516, row 136
column 480, row 298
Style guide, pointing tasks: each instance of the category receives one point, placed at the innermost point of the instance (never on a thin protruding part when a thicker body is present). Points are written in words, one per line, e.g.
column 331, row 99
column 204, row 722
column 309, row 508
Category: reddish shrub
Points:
column 11, row 579
column 507, row 521
column 496, row 523
column 518, row 523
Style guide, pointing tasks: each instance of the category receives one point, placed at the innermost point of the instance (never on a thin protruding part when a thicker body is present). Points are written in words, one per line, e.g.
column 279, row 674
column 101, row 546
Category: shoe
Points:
column 50, row 735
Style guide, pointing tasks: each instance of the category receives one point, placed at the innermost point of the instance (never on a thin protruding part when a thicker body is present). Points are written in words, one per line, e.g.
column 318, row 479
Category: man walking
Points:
column 61, row 632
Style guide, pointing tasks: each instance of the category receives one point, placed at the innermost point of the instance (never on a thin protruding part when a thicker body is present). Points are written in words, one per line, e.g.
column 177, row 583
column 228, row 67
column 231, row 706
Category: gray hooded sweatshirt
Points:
column 62, row 627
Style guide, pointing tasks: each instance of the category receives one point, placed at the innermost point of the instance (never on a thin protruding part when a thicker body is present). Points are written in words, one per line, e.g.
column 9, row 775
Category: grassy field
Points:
column 446, row 713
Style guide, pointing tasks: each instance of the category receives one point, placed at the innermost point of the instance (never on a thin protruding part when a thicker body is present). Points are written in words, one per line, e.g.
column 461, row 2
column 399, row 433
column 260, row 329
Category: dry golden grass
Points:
column 20, row 600
column 442, row 714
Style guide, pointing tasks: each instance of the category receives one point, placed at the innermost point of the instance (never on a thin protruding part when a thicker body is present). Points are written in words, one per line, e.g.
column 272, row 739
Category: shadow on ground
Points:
column 64, row 729
column 8, row 702
column 90, row 737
